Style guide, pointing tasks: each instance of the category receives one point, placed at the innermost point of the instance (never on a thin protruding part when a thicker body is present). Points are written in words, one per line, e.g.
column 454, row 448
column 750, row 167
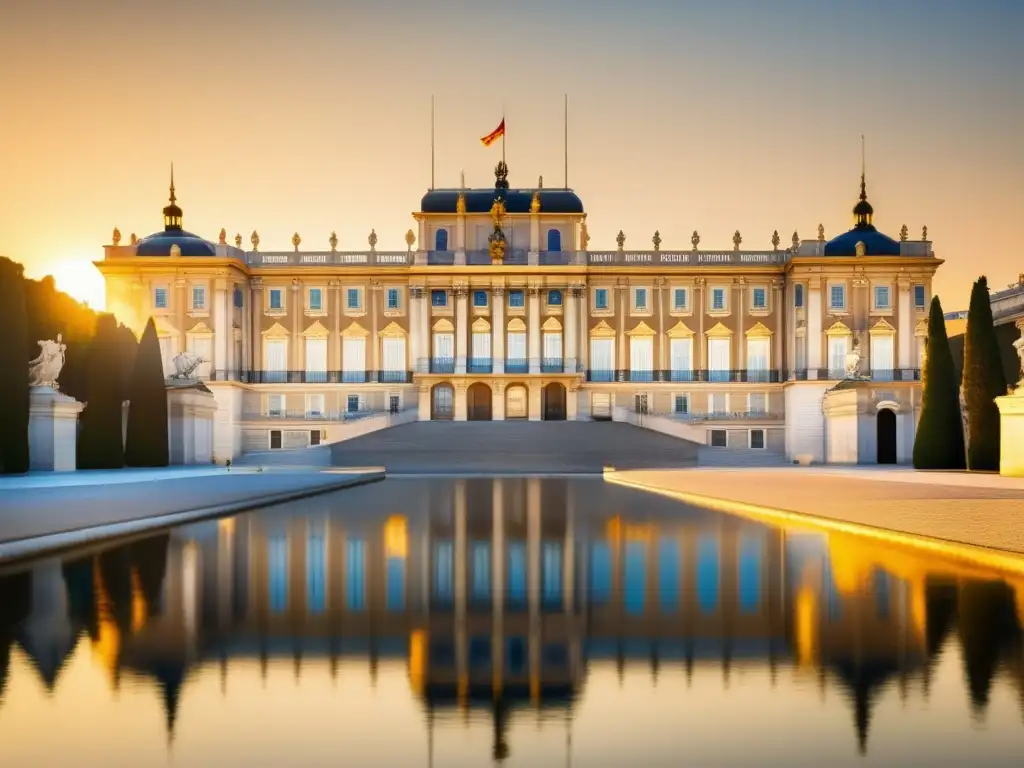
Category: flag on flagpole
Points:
column 494, row 135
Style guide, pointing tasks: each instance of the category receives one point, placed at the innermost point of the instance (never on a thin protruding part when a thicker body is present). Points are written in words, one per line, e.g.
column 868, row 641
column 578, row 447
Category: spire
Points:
column 172, row 180
column 862, row 211
column 172, row 213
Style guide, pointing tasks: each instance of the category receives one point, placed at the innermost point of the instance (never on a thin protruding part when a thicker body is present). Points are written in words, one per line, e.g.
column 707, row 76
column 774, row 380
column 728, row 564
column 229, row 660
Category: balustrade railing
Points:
column 552, row 365
column 442, row 365
column 517, row 365
column 696, row 375
column 325, row 377
column 479, row 365
column 328, row 258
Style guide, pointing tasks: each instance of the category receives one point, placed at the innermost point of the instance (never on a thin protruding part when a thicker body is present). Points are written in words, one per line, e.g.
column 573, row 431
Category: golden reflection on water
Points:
column 629, row 630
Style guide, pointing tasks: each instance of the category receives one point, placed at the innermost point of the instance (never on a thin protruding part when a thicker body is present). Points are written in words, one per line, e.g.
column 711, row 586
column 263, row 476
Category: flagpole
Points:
column 503, row 132
column 431, row 141
column 566, row 123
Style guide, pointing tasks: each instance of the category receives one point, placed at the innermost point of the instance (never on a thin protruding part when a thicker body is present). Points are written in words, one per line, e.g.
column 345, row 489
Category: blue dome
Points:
column 516, row 200
column 159, row 244
column 875, row 243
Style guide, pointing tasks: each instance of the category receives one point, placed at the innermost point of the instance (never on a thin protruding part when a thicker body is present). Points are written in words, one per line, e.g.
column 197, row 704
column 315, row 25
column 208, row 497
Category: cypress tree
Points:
column 100, row 444
column 14, row 457
column 939, row 443
column 146, row 444
column 984, row 380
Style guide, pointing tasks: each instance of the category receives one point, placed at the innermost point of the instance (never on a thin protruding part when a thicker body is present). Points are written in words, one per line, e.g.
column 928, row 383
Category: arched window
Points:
column 554, row 240
column 441, row 240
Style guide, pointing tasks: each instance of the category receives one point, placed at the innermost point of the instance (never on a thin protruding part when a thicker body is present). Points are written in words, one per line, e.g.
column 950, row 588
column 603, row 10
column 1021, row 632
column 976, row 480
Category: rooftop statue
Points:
column 185, row 364
column 44, row 370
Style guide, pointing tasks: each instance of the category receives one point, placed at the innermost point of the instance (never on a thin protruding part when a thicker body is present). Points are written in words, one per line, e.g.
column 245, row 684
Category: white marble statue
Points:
column 44, row 370
column 185, row 364
column 1018, row 346
column 853, row 361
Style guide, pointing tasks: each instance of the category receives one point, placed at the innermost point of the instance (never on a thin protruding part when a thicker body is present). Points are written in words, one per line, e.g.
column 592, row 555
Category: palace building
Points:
column 499, row 309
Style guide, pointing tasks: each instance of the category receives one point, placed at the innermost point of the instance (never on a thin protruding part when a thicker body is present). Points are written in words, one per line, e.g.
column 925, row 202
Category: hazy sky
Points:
column 312, row 116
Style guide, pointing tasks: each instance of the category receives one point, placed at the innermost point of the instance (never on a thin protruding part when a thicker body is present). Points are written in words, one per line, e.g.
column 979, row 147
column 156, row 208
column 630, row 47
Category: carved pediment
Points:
column 551, row 324
column 882, row 327
column 516, row 324
column 355, row 331
column 444, row 325
column 759, row 331
column 316, row 331
column 838, row 328
column 392, row 331
column 680, row 331
column 480, row 325
column 642, row 329
column 276, row 331
column 199, row 329
column 602, row 331
column 718, row 331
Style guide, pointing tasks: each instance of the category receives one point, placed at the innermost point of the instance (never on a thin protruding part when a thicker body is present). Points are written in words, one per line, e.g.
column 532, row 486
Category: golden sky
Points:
column 315, row 116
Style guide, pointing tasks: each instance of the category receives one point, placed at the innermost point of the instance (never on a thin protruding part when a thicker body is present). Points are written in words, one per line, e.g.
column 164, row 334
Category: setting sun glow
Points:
column 81, row 280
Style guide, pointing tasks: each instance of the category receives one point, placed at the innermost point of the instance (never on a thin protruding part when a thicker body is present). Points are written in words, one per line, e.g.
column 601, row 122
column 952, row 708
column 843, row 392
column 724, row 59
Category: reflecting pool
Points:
column 513, row 621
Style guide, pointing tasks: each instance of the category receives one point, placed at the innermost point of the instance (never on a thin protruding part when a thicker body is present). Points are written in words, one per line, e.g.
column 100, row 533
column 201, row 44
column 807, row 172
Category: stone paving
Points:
column 980, row 510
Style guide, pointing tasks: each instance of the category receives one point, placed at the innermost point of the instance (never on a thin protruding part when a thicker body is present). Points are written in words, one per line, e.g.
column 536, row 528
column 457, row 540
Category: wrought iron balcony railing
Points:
column 479, row 365
column 552, row 364
column 442, row 365
column 517, row 365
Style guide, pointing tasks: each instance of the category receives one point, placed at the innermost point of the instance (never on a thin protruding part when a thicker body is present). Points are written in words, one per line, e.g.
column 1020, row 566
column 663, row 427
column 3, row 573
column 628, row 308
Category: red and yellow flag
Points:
column 494, row 135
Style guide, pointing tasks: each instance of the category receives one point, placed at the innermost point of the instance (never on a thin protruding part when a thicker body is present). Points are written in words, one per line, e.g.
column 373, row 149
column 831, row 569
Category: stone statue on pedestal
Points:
column 1018, row 346
column 46, row 367
column 853, row 360
column 185, row 364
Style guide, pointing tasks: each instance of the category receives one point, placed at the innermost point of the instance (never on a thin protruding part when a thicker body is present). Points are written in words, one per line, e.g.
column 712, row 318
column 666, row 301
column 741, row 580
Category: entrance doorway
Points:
column 516, row 402
column 478, row 402
column 553, row 405
column 442, row 402
column 886, row 424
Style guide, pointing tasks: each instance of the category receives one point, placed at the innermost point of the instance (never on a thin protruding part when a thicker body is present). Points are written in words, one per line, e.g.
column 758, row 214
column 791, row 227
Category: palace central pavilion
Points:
column 498, row 309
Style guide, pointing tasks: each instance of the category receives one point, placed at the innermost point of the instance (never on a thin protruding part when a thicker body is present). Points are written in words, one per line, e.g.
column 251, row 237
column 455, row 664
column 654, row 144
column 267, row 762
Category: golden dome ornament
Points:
column 333, row 241
column 255, row 240
column 296, row 241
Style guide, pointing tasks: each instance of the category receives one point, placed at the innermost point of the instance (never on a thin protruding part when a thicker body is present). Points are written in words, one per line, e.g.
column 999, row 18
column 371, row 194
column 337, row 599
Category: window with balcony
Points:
column 602, row 359
column 315, row 405
column 275, row 359
column 275, row 405
column 883, row 356
column 516, row 299
column 798, row 295
column 353, row 299
column 601, row 298
column 554, row 298
column 552, row 351
column 316, row 303
column 838, row 347
column 680, row 300
column 198, row 297
column 882, row 297
column 439, row 298
column 681, row 359
column 837, row 298
column 479, row 298
column 276, row 299
column 160, row 298
column 393, row 298
column 919, row 297
column 718, row 402
column 759, row 298
column 353, row 359
column 316, row 360
column 719, row 359
column 757, row 403
column 441, row 240
column 393, row 358
column 758, row 351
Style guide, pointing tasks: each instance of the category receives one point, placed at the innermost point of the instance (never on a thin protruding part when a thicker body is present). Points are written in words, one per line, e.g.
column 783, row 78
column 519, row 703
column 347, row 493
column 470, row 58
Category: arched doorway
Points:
column 442, row 402
column 478, row 402
column 553, row 405
column 886, row 424
column 516, row 402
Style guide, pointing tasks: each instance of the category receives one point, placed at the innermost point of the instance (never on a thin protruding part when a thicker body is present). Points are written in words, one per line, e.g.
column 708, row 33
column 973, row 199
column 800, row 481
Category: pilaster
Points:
column 374, row 340
column 814, row 336
column 460, row 400
column 334, row 342
column 533, row 296
column 498, row 401
column 905, row 329
column 461, row 328
column 583, row 353
column 498, row 333
column 571, row 328
column 782, row 327
column 661, row 361
column 699, row 307
column 179, row 312
column 256, row 333
column 295, row 307
column 534, row 390
column 741, row 339
column 220, row 327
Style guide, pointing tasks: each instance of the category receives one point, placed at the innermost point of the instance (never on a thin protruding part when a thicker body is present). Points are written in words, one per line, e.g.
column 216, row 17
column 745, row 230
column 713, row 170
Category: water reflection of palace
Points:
column 498, row 594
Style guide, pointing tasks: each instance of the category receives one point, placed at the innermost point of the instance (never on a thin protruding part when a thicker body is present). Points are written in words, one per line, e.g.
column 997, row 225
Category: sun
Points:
column 81, row 280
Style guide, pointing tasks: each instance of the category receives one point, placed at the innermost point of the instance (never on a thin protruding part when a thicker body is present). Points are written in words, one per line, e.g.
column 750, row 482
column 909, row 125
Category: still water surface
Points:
column 506, row 621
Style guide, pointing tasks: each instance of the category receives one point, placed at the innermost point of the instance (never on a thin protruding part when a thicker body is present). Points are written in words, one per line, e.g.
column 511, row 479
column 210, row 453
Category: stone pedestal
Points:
column 190, row 413
column 1011, row 430
column 52, row 430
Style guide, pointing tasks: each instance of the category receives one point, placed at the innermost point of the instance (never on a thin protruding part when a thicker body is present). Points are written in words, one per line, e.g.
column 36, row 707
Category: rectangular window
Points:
column 554, row 298
column 640, row 298
column 757, row 438
column 758, row 402
column 682, row 404
column 315, row 405
column 316, row 299
column 352, row 301
column 316, row 360
column 392, row 298
column 837, row 297
column 198, row 297
column 719, row 402
column 479, row 298
column 919, row 296
column 601, row 298
column 719, row 359
column 718, row 298
column 275, row 405
column 798, row 295
column 353, row 359
column 681, row 359
column 353, row 403
column 275, row 298
column 160, row 298
column 881, row 297
column 718, row 438
column 439, row 298
column 679, row 298
column 275, row 439
column 393, row 352
column 275, row 355
column 314, row 436
column 516, row 299
column 759, row 298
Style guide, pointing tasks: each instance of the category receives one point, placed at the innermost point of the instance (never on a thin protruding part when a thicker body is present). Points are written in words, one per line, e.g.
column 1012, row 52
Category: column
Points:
column 498, row 335
column 256, row 334
column 334, row 341
column 296, row 307
column 571, row 338
column 813, row 327
column 179, row 312
column 661, row 362
column 461, row 650
column 584, row 329
column 416, row 331
column 220, row 331
column 461, row 327
column 622, row 362
column 424, row 361
column 905, row 329
column 700, row 343
column 533, row 296
column 374, row 340
column 741, row 338
column 791, row 340
column 781, row 326
column 498, row 582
